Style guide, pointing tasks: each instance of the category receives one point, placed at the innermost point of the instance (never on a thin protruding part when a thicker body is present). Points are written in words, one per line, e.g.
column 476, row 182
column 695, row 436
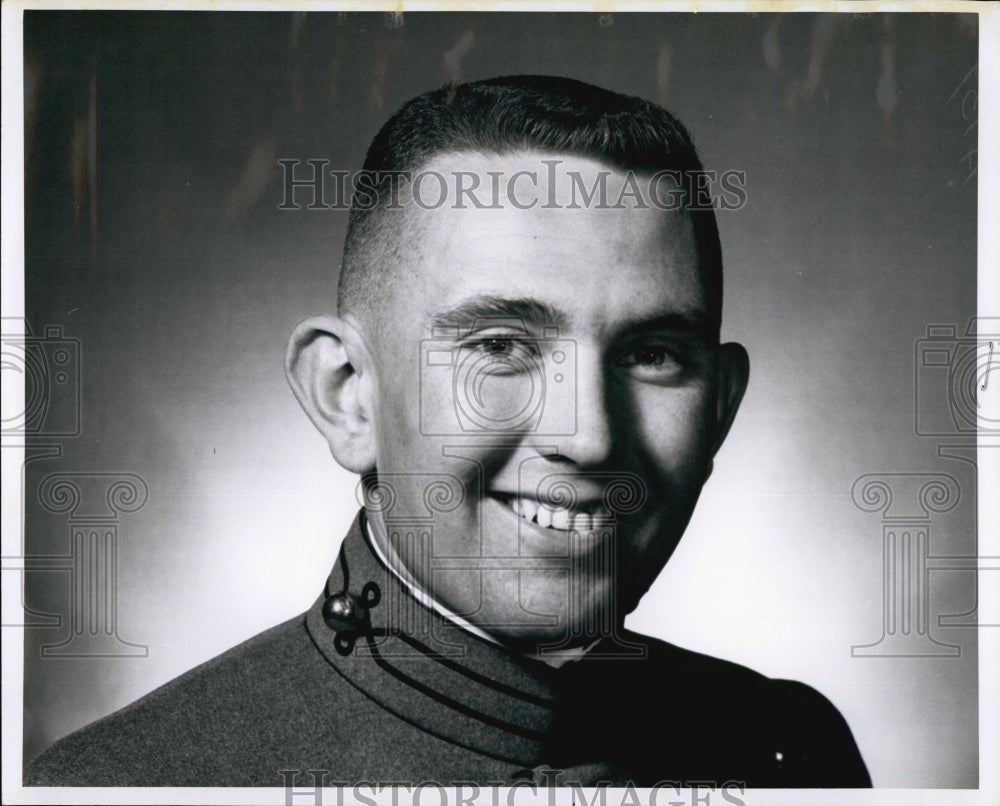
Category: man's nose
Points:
column 584, row 432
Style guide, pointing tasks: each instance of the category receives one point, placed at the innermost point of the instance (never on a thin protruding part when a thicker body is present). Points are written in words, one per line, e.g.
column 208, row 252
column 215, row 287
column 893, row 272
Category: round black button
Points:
column 342, row 612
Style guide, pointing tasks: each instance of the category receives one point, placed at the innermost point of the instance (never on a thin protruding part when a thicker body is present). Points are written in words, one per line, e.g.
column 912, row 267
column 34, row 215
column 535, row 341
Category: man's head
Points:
column 533, row 383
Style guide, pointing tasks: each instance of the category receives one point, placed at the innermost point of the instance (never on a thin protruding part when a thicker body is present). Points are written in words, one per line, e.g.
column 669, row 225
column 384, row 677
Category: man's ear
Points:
column 734, row 373
column 327, row 367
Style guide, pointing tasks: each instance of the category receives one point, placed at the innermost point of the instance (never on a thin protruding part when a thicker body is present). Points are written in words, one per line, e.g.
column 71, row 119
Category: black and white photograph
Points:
column 547, row 403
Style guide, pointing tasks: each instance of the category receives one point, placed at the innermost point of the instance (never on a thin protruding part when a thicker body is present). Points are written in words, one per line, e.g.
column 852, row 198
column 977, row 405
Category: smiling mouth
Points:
column 580, row 518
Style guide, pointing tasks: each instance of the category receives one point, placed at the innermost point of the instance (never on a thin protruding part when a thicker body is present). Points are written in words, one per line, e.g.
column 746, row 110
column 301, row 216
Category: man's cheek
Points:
column 673, row 446
column 398, row 419
column 683, row 427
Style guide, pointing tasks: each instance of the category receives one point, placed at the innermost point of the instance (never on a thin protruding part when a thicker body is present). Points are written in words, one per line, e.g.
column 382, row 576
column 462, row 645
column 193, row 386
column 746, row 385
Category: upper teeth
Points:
column 577, row 520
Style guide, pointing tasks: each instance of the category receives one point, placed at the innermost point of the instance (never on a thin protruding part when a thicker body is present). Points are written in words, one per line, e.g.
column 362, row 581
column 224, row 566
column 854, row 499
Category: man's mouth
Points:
column 579, row 518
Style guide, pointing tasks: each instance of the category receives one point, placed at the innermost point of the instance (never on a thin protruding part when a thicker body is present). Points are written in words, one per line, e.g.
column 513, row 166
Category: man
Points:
column 525, row 370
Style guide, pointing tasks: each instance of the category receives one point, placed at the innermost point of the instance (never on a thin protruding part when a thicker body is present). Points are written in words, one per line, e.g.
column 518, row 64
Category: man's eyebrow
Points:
column 469, row 311
column 691, row 322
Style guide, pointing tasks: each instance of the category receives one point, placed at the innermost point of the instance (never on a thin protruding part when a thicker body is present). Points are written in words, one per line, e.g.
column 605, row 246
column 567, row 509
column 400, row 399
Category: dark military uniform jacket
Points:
column 399, row 694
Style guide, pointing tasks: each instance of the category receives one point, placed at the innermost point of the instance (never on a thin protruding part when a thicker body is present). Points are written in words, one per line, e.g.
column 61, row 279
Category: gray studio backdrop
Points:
column 162, row 281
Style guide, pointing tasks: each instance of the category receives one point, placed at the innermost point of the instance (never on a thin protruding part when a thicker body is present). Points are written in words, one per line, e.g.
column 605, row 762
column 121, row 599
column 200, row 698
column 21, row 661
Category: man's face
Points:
column 545, row 401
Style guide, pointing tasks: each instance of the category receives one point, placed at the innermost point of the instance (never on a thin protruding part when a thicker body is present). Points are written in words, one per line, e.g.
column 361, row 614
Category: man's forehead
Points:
column 593, row 265
column 463, row 200
column 577, row 269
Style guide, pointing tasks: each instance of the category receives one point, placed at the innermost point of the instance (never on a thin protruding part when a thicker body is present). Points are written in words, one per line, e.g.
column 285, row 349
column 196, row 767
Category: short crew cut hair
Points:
column 505, row 115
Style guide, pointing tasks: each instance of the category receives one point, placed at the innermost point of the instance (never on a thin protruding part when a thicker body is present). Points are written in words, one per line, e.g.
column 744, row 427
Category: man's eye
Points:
column 649, row 356
column 503, row 355
column 654, row 361
column 497, row 347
